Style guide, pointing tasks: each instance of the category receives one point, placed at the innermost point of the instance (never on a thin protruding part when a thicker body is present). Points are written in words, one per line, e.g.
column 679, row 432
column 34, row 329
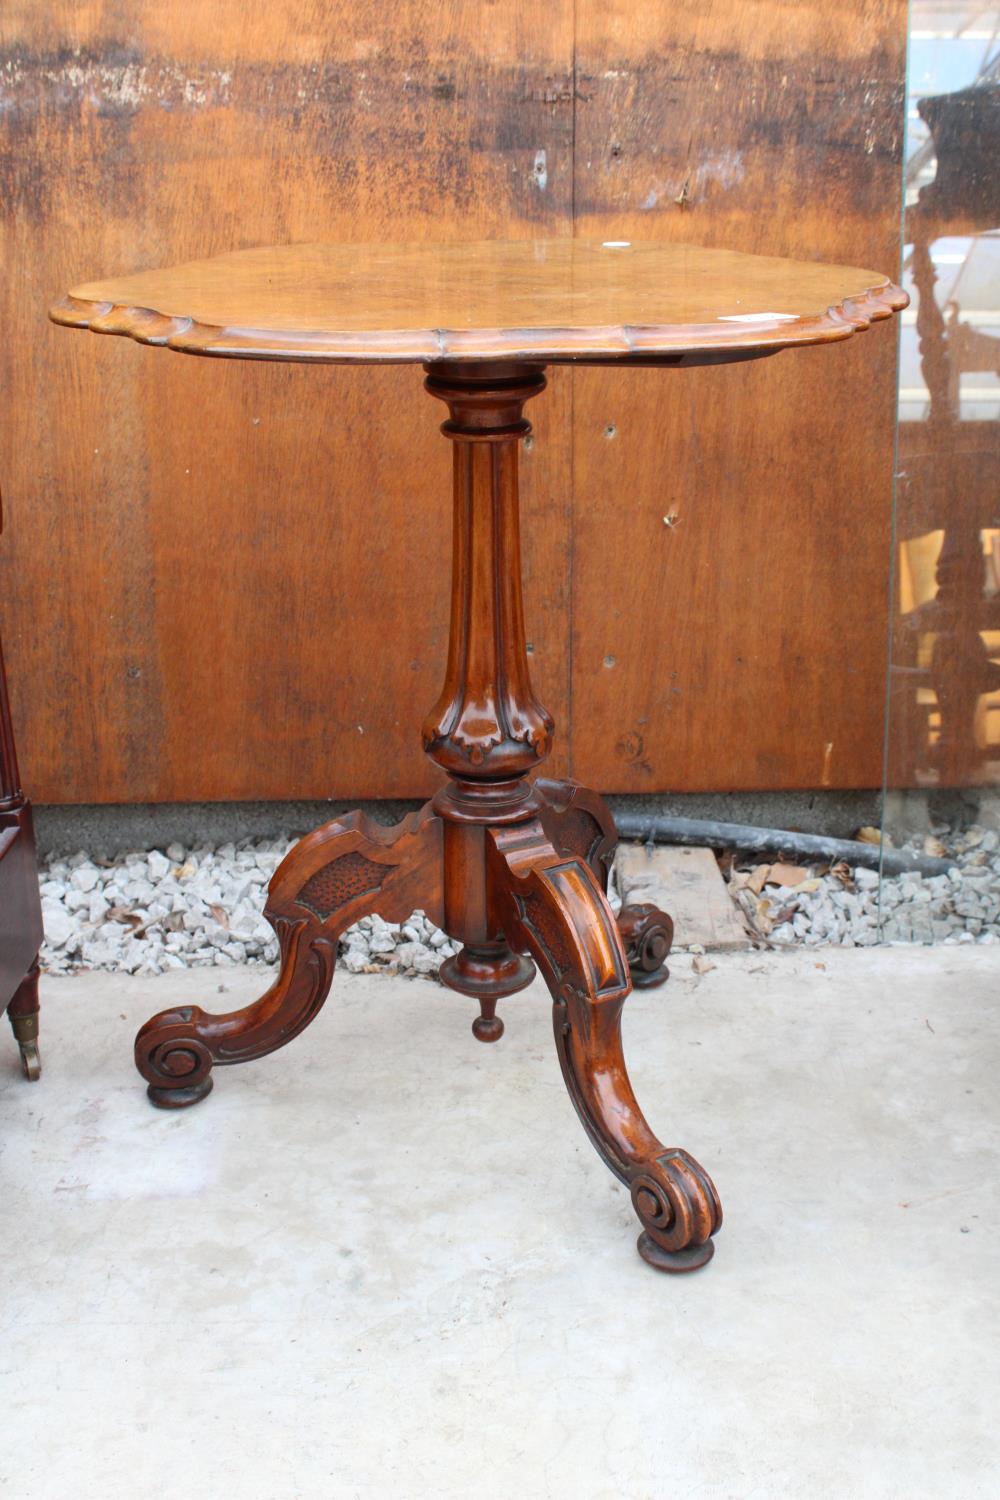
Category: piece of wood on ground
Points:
column 687, row 884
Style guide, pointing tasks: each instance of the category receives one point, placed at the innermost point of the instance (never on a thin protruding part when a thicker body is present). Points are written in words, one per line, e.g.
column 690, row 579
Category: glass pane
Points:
column 943, row 760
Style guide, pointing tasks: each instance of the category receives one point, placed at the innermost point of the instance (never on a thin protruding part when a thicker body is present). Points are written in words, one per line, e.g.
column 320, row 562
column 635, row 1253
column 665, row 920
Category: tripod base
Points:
column 544, row 879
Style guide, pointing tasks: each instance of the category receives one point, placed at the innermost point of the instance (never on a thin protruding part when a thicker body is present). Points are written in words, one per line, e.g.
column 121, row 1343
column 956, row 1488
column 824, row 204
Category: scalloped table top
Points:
column 548, row 300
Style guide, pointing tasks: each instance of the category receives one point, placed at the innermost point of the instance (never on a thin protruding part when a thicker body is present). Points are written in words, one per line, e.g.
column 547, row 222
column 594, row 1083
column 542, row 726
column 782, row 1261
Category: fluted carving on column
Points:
column 487, row 722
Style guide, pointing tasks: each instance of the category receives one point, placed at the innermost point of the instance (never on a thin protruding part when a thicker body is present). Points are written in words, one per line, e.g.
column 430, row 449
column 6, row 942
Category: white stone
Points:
column 97, row 954
column 417, row 956
column 58, row 923
column 243, row 920
column 172, row 893
column 99, row 906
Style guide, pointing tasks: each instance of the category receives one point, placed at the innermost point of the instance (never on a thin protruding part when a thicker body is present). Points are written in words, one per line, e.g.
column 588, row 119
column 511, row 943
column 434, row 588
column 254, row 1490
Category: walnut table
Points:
column 514, row 869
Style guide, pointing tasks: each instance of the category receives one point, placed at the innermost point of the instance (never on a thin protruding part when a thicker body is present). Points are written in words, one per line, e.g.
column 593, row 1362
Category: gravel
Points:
column 853, row 909
column 153, row 910
column 150, row 911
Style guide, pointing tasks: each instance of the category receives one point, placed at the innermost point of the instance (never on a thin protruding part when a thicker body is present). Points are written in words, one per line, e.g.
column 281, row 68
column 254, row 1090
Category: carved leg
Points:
column 648, row 935
column 22, row 1013
column 552, row 906
column 579, row 821
column 347, row 869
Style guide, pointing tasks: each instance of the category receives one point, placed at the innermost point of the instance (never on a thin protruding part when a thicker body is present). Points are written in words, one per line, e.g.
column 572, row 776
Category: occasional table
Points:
column 516, row 870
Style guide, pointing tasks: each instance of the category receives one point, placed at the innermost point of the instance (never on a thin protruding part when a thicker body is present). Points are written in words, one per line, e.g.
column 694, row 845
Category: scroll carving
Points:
column 336, row 875
column 554, row 908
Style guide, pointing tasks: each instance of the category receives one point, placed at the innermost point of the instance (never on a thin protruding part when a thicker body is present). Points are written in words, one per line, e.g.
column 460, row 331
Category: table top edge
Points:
column 607, row 344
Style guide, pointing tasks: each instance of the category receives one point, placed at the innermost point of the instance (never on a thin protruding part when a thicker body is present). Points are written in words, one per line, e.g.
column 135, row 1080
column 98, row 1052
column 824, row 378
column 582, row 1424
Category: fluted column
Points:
column 487, row 724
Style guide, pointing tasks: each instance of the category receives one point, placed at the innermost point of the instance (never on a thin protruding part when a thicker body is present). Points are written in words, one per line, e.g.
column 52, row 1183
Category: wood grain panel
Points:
column 230, row 583
column 743, row 644
column 193, row 552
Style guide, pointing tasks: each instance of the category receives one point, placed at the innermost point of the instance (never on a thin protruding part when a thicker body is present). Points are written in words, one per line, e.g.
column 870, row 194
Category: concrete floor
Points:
column 386, row 1262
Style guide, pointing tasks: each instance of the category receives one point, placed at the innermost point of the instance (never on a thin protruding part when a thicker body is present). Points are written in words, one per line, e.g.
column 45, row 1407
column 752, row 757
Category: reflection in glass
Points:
column 945, row 679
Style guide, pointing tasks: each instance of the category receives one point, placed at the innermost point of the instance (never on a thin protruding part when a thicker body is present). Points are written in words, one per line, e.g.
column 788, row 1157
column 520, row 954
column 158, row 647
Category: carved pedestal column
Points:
column 487, row 729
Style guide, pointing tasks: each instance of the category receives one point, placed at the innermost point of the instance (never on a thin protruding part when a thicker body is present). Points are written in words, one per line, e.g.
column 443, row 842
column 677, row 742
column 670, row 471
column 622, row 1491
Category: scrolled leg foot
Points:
column 674, row 1262
column 176, row 1062
column 345, row 870
column 179, row 1098
column 648, row 935
column 679, row 1210
column 552, row 905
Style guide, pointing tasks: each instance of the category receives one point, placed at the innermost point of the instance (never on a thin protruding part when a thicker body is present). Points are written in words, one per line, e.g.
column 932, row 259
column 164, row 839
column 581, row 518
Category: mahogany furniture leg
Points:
column 347, row 869
column 20, row 905
column 579, row 821
column 22, row 1012
column 552, row 905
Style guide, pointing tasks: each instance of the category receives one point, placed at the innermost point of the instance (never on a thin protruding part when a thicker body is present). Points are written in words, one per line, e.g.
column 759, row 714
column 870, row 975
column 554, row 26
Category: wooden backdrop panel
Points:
column 743, row 644
column 231, row 582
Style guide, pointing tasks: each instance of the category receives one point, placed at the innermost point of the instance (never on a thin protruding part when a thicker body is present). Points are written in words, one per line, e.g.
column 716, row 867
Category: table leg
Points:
column 579, row 821
column 20, row 908
column 22, row 1012
column 552, row 906
column 347, row 869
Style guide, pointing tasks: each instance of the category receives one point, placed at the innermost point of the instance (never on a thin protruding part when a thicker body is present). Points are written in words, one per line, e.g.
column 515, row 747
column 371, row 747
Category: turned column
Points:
column 487, row 729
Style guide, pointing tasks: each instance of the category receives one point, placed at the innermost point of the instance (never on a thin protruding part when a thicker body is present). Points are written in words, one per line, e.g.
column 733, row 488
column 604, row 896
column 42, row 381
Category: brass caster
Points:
column 31, row 1062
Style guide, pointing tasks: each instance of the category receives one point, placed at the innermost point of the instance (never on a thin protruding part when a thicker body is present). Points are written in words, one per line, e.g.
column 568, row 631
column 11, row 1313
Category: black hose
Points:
column 708, row 834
